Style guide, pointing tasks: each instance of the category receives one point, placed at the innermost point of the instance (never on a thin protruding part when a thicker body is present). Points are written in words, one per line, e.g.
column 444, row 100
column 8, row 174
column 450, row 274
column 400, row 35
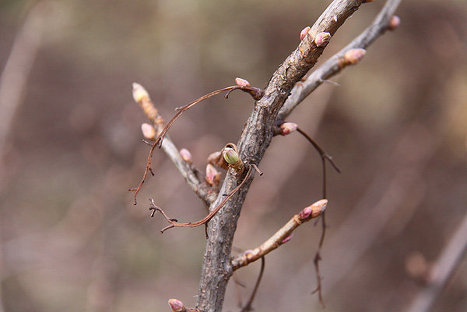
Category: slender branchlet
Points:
column 281, row 236
column 248, row 307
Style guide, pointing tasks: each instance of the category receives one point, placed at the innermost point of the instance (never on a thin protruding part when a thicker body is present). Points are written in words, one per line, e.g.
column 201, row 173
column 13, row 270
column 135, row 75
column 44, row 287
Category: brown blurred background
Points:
column 71, row 238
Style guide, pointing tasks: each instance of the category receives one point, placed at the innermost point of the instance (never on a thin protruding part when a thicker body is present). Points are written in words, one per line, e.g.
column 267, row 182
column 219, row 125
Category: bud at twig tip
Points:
column 314, row 210
column 176, row 305
column 322, row 39
column 288, row 127
column 148, row 131
column 139, row 92
column 186, row 155
column 304, row 32
column 354, row 56
column 394, row 22
column 242, row 82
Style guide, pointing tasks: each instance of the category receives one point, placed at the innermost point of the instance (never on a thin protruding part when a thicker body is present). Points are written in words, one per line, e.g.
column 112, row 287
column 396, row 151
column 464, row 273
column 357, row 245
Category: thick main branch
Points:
column 253, row 143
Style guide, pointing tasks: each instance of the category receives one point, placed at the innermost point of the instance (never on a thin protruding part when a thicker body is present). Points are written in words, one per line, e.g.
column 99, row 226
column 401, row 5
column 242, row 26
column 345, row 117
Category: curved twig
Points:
column 248, row 307
column 175, row 223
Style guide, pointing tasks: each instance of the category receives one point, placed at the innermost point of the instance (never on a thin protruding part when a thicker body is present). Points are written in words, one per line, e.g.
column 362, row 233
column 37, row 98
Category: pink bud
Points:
column 314, row 210
column 304, row 32
column 322, row 39
column 186, row 155
column 176, row 305
column 394, row 22
column 354, row 56
column 288, row 127
column 242, row 82
column 288, row 238
column 148, row 131
column 212, row 175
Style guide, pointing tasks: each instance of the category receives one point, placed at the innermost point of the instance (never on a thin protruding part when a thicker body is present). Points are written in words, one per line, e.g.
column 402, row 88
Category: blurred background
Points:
column 70, row 141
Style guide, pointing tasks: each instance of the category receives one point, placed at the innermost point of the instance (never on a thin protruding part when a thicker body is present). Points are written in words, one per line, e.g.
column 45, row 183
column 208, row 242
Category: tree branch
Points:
column 255, row 139
column 280, row 237
column 335, row 64
column 442, row 270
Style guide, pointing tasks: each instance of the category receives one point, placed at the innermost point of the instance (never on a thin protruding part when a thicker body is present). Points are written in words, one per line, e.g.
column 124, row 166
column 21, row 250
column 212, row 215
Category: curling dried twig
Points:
column 175, row 223
column 248, row 307
column 282, row 236
column 254, row 92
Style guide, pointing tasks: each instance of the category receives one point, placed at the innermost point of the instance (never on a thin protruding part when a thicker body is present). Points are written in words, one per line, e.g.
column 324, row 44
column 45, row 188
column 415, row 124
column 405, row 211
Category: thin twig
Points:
column 248, row 307
column 175, row 223
column 281, row 236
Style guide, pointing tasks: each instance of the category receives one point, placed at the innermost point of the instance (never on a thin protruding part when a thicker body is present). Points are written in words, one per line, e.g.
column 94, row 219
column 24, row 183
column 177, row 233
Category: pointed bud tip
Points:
column 288, row 127
column 242, row 82
column 394, row 22
column 139, row 92
column 304, row 32
column 287, row 239
column 148, row 131
column 186, row 155
column 354, row 56
column 322, row 39
column 176, row 305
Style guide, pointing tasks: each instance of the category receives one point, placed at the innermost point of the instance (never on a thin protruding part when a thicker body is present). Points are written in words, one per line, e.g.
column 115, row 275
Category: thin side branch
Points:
column 282, row 236
column 335, row 64
column 248, row 307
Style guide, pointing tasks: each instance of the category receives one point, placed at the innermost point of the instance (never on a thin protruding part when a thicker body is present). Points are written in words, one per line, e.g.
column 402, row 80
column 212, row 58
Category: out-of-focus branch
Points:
column 442, row 270
column 16, row 71
column 187, row 170
column 282, row 236
column 255, row 139
column 384, row 21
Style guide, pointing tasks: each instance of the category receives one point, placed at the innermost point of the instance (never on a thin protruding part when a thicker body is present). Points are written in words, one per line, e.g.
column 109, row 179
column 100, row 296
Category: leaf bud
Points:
column 176, row 305
column 242, row 82
column 314, row 210
column 304, row 32
column 212, row 175
column 231, row 156
column 354, row 56
column 288, row 127
column 322, row 39
column 139, row 92
column 186, row 155
column 148, row 131
column 394, row 22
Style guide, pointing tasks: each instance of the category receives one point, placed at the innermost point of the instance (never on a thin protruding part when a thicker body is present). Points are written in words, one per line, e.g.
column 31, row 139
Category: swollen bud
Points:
column 304, row 32
column 176, row 305
column 394, row 22
column 288, row 127
column 230, row 156
column 314, row 210
column 213, row 176
column 139, row 92
column 186, row 155
column 322, row 39
column 242, row 82
column 354, row 56
column 148, row 131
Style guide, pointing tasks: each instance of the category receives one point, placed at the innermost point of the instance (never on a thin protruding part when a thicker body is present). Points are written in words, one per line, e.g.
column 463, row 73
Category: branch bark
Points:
column 255, row 139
